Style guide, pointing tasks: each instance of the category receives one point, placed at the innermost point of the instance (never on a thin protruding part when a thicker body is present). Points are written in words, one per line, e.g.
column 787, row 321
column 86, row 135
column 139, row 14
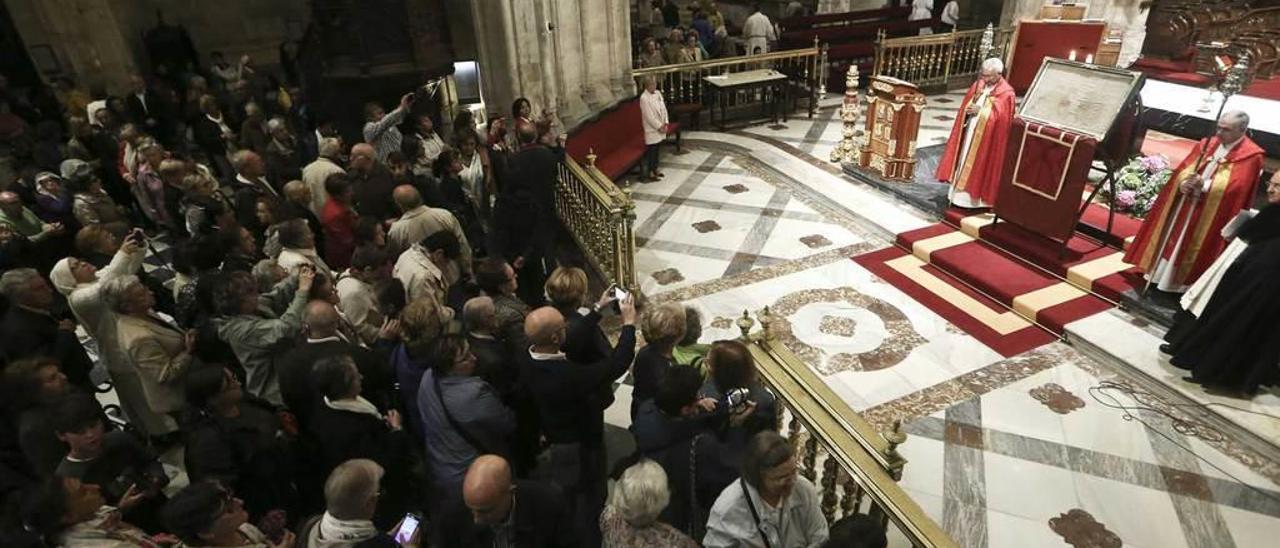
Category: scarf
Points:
column 334, row 530
column 357, row 405
column 1263, row 226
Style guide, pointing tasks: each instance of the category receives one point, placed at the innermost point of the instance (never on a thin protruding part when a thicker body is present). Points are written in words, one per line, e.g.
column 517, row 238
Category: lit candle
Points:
column 1089, row 59
column 1072, row 57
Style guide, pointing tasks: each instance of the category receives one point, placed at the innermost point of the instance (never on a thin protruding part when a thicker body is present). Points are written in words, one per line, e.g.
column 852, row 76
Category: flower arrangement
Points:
column 1138, row 184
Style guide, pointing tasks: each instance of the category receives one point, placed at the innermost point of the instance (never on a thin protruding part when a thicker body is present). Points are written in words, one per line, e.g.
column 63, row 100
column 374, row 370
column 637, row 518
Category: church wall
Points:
column 577, row 67
column 99, row 42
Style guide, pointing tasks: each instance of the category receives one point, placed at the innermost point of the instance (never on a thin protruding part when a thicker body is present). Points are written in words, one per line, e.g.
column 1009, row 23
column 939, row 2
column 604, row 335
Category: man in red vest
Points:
column 1181, row 236
column 975, row 151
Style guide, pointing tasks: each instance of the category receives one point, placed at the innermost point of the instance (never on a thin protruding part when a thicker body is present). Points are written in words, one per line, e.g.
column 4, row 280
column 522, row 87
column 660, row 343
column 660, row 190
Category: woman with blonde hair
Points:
column 663, row 326
column 422, row 322
column 567, row 288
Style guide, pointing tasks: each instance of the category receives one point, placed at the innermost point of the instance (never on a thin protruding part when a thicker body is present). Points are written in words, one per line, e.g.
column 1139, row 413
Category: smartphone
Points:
column 619, row 294
column 408, row 526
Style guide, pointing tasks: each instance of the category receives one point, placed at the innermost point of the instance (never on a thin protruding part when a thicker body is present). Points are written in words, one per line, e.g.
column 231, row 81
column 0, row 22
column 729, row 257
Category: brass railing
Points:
column 860, row 467
column 936, row 60
column 599, row 216
column 683, row 83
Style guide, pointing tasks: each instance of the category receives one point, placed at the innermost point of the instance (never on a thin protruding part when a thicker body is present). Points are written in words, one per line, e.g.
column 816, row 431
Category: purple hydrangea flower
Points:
column 1125, row 199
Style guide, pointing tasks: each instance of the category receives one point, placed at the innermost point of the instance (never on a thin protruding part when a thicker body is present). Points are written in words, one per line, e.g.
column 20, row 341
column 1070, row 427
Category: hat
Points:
column 75, row 170
column 63, row 280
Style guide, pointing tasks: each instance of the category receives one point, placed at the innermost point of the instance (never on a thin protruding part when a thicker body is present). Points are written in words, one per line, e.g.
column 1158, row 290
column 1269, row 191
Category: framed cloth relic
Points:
column 1043, row 179
column 1079, row 97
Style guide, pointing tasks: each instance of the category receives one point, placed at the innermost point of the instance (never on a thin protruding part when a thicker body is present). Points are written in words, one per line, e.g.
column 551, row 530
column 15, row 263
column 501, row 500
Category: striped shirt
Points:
column 384, row 135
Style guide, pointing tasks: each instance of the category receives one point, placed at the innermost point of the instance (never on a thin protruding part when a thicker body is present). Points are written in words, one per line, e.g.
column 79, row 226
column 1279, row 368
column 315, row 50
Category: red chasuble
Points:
column 1234, row 185
column 978, row 171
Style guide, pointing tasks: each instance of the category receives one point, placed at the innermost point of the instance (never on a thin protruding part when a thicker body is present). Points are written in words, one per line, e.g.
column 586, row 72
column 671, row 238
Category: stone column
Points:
column 577, row 68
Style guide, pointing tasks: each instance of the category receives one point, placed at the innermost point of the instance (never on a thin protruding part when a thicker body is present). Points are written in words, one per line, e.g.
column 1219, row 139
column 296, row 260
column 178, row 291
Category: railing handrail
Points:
column 939, row 38
column 603, row 188
column 727, row 61
column 860, row 449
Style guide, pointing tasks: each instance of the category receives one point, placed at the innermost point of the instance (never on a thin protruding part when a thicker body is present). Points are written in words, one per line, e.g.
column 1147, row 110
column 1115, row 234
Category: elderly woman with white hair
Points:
column 631, row 518
column 82, row 284
column 157, row 350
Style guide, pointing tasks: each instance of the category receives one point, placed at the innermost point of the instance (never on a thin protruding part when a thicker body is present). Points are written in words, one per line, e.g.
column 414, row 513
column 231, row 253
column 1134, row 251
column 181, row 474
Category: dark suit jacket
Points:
column 542, row 520
column 567, row 393
column 373, row 192
column 295, row 375
column 27, row 334
column 208, row 136
column 494, row 365
column 245, row 200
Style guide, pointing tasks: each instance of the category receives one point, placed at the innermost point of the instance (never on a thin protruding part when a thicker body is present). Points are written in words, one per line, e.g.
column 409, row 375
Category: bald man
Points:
column 417, row 221
column 373, row 183
column 571, row 399
column 497, row 511
column 322, row 324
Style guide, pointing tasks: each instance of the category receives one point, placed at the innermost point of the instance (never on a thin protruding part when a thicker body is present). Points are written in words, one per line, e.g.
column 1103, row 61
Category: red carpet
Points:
column 1020, row 337
column 1084, row 263
column 1267, row 89
column 1010, row 289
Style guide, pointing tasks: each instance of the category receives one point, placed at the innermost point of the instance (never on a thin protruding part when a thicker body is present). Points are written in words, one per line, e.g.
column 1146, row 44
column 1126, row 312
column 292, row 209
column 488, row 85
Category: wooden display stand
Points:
column 893, row 121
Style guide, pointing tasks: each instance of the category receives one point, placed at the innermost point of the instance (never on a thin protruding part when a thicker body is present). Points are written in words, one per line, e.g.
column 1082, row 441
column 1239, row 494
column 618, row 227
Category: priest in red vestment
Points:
column 1211, row 185
column 975, row 151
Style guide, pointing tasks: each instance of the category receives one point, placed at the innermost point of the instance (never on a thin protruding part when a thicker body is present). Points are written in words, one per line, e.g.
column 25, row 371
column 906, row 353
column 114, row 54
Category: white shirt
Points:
column 653, row 113
column 1212, row 166
column 951, row 13
column 758, row 26
column 421, row 278
column 921, row 9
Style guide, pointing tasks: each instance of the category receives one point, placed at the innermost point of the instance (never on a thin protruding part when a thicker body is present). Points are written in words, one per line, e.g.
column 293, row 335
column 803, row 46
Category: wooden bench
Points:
column 616, row 137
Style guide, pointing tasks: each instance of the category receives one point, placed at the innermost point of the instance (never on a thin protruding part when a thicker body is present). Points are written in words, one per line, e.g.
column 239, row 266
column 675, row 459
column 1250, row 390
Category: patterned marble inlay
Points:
column 901, row 337
column 836, row 325
column 721, row 322
column 735, row 188
column 1079, row 529
column 704, row 227
column 1057, row 398
column 668, row 276
column 815, row 241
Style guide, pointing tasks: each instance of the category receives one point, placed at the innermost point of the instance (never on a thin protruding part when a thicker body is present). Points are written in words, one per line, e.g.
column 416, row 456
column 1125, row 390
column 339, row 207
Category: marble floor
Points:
column 1090, row 441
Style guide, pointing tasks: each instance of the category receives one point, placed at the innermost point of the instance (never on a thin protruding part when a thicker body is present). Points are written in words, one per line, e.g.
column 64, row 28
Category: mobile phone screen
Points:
column 620, row 293
column 407, row 528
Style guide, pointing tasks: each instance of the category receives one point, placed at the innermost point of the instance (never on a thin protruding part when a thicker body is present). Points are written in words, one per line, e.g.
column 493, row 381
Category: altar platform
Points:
column 1176, row 109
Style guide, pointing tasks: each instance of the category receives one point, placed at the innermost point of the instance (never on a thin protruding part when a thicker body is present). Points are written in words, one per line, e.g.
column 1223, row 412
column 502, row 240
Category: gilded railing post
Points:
column 895, row 437
column 830, row 469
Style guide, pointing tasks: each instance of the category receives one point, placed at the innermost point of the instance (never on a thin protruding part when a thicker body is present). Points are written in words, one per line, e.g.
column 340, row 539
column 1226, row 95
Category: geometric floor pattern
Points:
column 1035, row 449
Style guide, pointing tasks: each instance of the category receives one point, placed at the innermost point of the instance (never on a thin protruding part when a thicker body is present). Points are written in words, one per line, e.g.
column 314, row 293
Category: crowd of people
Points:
column 358, row 338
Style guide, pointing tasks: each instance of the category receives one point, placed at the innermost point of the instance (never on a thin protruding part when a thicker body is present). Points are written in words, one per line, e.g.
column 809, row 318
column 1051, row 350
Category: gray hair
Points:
column 113, row 290
column 330, row 147
column 276, row 123
column 993, row 64
column 148, row 144
column 1240, row 117
column 641, row 493
column 265, row 273
column 16, row 282
column 478, row 312
column 350, row 487
column 241, row 158
column 765, row 451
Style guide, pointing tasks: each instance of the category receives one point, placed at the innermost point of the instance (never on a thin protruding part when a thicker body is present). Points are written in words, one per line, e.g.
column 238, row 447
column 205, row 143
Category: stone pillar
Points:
column 577, row 67
column 85, row 35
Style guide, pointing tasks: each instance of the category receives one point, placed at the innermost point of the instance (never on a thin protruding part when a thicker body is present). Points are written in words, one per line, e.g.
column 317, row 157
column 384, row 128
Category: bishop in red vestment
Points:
column 975, row 151
column 1211, row 185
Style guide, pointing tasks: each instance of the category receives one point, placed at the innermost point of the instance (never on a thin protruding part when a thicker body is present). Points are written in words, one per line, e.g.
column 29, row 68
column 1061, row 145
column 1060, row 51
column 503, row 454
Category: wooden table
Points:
column 724, row 85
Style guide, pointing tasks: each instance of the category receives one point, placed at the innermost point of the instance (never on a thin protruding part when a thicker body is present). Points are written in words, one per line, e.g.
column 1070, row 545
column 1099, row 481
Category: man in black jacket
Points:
column 570, row 410
column 525, row 219
column 31, row 327
column 249, row 183
column 325, row 339
column 519, row 514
